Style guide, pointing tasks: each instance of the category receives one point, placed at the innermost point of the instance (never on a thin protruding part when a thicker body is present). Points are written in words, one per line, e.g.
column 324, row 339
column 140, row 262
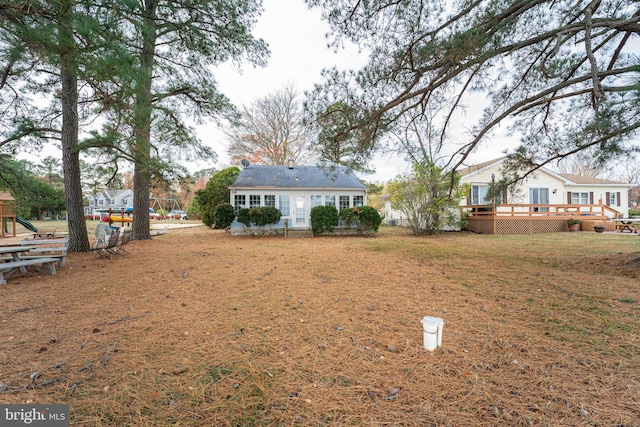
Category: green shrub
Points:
column 369, row 219
column 263, row 215
column 323, row 219
column 349, row 216
column 259, row 216
column 223, row 215
column 243, row 216
column 365, row 218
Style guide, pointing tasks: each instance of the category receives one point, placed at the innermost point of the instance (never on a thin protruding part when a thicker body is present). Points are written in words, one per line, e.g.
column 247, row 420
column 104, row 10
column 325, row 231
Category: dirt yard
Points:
column 197, row 328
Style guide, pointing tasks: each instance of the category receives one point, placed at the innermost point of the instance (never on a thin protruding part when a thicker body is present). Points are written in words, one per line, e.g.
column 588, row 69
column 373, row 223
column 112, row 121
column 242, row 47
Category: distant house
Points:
column 295, row 190
column 391, row 216
column 109, row 199
column 546, row 187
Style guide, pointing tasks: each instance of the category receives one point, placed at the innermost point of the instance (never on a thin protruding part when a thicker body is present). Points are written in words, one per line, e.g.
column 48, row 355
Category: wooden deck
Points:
column 527, row 219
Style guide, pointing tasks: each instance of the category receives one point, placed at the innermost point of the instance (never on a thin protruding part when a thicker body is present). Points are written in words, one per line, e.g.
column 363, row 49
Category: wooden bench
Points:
column 47, row 248
column 47, row 265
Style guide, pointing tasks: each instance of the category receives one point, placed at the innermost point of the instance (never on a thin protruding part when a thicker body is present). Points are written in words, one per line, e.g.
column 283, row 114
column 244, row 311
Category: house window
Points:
column 92, row 202
column 285, row 206
column 100, row 202
column 344, row 202
column 125, row 201
column 329, row 200
column 479, row 195
column 539, row 196
column 613, row 199
column 270, row 200
column 316, row 200
column 254, row 200
column 239, row 201
column 579, row 198
column 358, row 201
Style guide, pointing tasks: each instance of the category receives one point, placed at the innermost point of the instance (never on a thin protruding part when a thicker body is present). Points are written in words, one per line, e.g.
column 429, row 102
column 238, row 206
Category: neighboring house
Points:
column 546, row 187
column 109, row 199
column 295, row 190
column 390, row 216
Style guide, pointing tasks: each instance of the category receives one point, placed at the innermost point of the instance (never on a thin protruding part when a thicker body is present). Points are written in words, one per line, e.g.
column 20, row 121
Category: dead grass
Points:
column 199, row 328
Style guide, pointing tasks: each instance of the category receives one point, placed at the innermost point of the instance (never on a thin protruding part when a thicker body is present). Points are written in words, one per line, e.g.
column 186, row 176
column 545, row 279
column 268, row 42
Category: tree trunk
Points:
column 142, row 131
column 78, row 238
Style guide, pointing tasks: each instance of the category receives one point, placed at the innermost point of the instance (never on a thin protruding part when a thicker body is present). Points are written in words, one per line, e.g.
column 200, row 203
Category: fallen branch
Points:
column 63, row 371
column 122, row 319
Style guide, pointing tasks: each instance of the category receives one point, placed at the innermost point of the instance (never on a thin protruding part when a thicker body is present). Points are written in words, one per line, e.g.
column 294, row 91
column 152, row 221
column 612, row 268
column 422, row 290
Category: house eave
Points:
column 299, row 188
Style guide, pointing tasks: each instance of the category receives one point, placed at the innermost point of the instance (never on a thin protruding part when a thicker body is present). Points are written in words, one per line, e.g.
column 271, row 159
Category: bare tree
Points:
column 271, row 131
column 584, row 163
column 629, row 170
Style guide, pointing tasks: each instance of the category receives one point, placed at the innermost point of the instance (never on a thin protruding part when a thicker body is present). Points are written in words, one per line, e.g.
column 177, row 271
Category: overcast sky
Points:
column 299, row 52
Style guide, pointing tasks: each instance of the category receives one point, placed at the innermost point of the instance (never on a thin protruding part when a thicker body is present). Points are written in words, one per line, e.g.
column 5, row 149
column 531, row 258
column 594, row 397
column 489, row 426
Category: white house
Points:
column 546, row 187
column 109, row 199
column 392, row 216
column 295, row 190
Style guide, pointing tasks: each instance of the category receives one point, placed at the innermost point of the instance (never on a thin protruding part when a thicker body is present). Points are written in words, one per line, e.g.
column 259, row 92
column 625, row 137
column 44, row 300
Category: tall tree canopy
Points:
column 272, row 131
column 172, row 47
column 562, row 74
column 46, row 48
column 143, row 67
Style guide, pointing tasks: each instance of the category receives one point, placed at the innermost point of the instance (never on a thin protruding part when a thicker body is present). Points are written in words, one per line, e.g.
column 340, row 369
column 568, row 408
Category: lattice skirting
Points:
column 528, row 226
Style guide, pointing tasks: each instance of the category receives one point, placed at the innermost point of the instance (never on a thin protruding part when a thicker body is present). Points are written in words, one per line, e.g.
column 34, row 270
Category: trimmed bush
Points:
column 323, row 219
column 263, row 215
column 243, row 216
column 369, row 219
column 223, row 215
column 259, row 216
column 364, row 218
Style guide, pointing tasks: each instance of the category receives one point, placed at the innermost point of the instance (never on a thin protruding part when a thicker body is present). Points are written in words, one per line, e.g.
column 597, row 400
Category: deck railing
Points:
column 528, row 211
column 528, row 218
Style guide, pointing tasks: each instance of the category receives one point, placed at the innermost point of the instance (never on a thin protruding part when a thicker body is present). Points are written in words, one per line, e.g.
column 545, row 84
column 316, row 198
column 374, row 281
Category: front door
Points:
column 300, row 214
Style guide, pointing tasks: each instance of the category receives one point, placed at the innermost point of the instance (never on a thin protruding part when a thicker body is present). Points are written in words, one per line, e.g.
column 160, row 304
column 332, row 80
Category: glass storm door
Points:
column 300, row 216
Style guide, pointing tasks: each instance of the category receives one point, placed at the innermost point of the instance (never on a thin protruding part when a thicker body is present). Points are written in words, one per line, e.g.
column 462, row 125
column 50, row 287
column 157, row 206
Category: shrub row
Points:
column 224, row 214
column 365, row 220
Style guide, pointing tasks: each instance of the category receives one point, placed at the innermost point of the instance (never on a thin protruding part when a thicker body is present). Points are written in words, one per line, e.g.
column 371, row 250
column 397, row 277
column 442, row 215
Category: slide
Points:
column 26, row 224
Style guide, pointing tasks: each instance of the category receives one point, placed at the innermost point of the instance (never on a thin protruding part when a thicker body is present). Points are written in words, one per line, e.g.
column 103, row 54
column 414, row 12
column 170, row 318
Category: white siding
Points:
column 291, row 215
column 558, row 188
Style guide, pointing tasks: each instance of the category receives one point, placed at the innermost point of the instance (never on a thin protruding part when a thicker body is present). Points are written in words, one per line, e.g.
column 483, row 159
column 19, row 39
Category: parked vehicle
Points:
column 177, row 214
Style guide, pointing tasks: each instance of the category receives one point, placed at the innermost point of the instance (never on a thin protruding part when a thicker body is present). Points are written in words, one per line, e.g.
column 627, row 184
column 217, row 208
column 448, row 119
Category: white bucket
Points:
column 432, row 327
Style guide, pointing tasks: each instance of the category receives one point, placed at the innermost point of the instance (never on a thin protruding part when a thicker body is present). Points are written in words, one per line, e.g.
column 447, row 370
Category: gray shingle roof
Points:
column 578, row 179
column 298, row 177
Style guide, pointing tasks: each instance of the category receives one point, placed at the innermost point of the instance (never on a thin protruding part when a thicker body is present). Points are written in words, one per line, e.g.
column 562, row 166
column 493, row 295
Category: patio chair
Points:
column 101, row 234
column 124, row 239
column 108, row 246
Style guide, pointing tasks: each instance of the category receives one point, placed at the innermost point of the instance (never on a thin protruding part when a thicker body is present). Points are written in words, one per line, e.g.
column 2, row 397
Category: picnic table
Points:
column 44, row 234
column 15, row 262
column 630, row 224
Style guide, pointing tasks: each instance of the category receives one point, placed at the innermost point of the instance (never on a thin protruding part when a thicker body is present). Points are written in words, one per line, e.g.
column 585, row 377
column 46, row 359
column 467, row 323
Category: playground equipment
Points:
column 7, row 212
column 26, row 224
